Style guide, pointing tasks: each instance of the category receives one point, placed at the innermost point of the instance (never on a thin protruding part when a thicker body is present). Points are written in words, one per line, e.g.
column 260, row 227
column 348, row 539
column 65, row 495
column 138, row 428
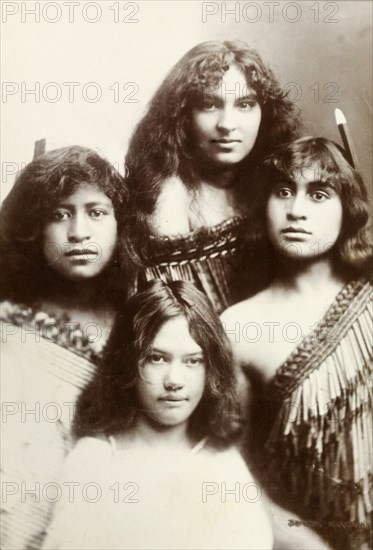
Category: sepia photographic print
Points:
column 186, row 275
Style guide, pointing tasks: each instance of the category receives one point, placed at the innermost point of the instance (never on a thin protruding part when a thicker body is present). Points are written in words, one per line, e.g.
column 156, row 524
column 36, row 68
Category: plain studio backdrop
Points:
column 83, row 72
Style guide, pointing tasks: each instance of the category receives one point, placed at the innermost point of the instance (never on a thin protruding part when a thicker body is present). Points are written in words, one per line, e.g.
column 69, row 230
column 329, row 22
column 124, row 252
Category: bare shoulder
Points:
column 239, row 319
column 172, row 186
column 247, row 310
column 170, row 216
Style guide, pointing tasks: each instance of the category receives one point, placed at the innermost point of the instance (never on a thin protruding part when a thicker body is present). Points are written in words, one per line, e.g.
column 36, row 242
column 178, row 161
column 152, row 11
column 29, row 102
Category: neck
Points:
column 307, row 277
column 149, row 433
column 85, row 295
column 219, row 177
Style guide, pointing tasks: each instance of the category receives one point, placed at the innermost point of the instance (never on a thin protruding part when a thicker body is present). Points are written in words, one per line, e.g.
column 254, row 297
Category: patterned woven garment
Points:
column 211, row 258
column 319, row 453
column 45, row 363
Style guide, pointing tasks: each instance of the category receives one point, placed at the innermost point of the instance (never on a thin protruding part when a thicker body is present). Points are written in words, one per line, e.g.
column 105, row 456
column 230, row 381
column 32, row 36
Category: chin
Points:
column 171, row 422
column 77, row 277
column 302, row 257
column 228, row 161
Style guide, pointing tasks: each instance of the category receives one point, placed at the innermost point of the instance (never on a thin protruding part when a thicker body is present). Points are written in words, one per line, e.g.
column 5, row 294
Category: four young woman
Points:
column 164, row 393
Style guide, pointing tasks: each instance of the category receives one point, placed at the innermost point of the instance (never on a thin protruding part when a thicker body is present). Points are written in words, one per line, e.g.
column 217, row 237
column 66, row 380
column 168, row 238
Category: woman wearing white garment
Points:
column 157, row 425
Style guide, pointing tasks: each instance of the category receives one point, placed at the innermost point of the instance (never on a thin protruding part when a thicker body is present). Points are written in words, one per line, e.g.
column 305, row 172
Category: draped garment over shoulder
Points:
column 45, row 363
column 214, row 258
column 316, row 451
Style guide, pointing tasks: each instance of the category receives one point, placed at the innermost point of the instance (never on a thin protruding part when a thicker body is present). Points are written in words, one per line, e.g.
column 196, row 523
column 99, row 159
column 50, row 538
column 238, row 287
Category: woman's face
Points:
column 226, row 123
column 80, row 237
column 172, row 378
column 304, row 216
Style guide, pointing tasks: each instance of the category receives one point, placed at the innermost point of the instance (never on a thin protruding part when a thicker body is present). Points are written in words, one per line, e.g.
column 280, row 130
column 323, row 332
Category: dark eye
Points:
column 319, row 196
column 59, row 215
column 247, row 105
column 97, row 213
column 208, row 104
column 284, row 192
column 195, row 361
column 156, row 358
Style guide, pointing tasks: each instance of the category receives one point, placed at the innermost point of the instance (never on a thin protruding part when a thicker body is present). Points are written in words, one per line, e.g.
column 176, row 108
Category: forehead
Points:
column 86, row 193
column 233, row 76
column 308, row 174
column 301, row 176
column 174, row 337
column 233, row 84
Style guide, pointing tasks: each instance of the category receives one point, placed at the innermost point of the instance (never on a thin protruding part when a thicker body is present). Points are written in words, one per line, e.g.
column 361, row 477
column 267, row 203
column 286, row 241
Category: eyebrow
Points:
column 87, row 204
column 162, row 352
column 215, row 95
column 247, row 98
column 252, row 95
column 282, row 181
column 314, row 183
column 159, row 351
column 320, row 183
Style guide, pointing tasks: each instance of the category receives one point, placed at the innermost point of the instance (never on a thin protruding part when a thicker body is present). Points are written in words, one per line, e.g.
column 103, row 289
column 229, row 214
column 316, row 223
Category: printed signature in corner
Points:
column 327, row 524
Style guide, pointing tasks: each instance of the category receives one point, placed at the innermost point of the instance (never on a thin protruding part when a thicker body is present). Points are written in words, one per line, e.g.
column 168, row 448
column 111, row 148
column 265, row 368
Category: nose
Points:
column 79, row 228
column 297, row 208
column 174, row 379
column 227, row 120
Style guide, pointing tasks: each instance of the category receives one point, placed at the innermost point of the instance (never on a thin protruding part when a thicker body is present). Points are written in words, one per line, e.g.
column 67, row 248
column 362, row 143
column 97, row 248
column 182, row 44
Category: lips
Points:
column 173, row 398
column 295, row 230
column 225, row 141
column 84, row 252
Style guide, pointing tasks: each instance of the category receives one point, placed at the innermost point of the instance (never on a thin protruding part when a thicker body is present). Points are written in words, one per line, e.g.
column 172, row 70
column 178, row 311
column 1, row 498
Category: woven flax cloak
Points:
column 45, row 363
column 318, row 454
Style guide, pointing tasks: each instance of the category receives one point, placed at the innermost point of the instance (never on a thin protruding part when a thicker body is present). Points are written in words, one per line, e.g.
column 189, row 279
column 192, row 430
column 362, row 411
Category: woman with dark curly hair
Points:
column 157, row 426
column 58, row 235
column 192, row 162
column 305, row 343
column 63, row 270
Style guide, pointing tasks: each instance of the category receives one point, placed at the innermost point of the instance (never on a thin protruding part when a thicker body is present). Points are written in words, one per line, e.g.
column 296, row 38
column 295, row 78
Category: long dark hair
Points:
column 37, row 190
column 352, row 253
column 109, row 404
column 161, row 144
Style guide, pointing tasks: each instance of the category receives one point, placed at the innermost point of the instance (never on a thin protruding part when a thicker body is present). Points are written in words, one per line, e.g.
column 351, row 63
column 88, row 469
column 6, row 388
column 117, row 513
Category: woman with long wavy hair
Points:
column 158, row 423
column 157, row 430
column 192, row 167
